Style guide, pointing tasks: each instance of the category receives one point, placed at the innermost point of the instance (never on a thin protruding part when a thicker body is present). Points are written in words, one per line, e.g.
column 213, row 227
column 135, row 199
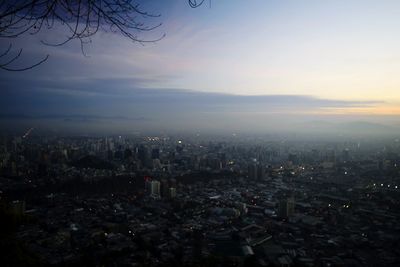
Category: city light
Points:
column 204, row 188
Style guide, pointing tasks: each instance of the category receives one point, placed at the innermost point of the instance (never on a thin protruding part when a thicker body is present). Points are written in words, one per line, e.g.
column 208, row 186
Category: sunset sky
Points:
column 342, row 55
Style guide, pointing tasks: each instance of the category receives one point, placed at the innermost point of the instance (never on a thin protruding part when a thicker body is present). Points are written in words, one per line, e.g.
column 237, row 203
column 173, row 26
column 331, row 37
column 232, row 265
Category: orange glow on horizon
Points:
column 383, row 110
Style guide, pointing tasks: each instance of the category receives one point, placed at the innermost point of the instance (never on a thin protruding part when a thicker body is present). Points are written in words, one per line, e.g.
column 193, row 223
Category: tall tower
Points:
column 260, row 172
column 144, row 156
column 286, row 207
column 155, row 189
column 252, row 170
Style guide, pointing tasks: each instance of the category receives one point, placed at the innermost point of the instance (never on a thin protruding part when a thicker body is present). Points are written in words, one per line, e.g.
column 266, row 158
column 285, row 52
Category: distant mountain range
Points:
column 353, row 127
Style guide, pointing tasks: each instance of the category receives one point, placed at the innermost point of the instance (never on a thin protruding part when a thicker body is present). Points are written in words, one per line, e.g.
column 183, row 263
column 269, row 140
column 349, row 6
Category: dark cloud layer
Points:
column 121, row 97
column 122, row 105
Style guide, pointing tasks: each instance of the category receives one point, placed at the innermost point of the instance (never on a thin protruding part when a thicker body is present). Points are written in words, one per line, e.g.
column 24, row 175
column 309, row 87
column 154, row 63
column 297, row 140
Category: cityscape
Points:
column 193, row 133
column 200, row 201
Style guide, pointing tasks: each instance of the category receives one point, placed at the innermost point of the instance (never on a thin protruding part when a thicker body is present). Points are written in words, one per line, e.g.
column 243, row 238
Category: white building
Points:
column 155, row 188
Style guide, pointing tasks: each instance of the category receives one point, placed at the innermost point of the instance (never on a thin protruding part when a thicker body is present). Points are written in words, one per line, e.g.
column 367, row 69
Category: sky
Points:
column 237, row 65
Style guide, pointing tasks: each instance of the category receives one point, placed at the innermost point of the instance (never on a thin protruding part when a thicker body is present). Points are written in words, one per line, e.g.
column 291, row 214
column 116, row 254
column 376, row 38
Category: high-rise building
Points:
column 172, row 192
column 260, row 172
column 292, row 157
column 128, row 154
column 256, row 171
column 252, row 170
column 147, row 184
column 164, row 188
column 155, row 153
column 330, row 155
column 155, row 189
column 144, row 156
column 286, row 207
column 346, row 154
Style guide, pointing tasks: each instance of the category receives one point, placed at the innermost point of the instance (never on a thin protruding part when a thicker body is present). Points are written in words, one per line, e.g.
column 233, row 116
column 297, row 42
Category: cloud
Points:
column 67, row 117
column 125, row 91
column 125, row 96
column 104, row 105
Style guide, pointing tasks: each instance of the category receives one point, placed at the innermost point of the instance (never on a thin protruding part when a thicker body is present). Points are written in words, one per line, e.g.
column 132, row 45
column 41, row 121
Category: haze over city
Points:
column 199, row 133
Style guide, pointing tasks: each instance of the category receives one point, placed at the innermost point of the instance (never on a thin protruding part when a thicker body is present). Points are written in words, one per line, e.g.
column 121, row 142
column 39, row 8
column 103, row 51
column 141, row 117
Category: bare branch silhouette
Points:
column 195, row 3
column 81, row 19
column 7, row 64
